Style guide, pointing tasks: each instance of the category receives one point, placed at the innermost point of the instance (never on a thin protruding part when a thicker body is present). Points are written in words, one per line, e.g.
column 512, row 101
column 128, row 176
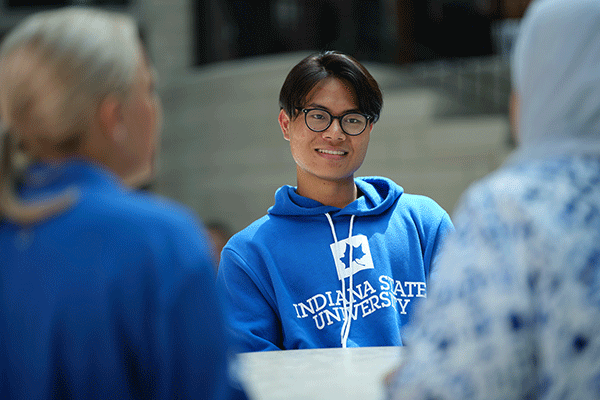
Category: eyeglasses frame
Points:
column 338, row 117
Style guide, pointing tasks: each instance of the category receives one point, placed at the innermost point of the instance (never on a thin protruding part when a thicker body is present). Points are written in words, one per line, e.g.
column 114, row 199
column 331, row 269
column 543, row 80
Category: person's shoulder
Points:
column 260, row 227
column 419, row 200
column 134, row 205
column 131, row 211
column 421, row 204
column 425, row 213
column 246, row 248
column 161, row 209
column 406, row 202
column 518, row 190
column 509, row 182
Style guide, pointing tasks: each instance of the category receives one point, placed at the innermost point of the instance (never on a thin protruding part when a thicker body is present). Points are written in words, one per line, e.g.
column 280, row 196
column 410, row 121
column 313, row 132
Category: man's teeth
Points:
column 335, row 152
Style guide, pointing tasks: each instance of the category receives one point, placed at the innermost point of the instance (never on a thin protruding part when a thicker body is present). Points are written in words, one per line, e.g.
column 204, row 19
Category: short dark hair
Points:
column 316, row 67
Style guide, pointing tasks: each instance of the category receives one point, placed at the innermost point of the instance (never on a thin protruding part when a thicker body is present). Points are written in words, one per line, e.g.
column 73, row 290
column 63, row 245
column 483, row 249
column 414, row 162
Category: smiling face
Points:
column 330, row 156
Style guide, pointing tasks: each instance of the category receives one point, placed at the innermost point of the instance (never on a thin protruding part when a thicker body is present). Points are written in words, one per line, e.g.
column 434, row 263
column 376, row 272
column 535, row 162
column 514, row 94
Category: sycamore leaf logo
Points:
column 361, row 255
column 357, row 255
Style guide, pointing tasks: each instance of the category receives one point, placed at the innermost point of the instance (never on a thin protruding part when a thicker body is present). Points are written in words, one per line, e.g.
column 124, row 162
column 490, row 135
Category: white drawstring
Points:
column 346, row 332
column 347, row 312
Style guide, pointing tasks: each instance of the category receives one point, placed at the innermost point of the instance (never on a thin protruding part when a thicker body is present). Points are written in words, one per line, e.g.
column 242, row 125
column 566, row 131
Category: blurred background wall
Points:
column 442, row 65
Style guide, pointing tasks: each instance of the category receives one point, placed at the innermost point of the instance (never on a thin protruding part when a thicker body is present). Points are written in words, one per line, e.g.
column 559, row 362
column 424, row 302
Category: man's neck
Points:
column 338, row 193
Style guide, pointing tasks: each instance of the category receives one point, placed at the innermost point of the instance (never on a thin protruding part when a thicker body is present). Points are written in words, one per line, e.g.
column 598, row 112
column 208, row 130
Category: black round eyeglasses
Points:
column 352, row 123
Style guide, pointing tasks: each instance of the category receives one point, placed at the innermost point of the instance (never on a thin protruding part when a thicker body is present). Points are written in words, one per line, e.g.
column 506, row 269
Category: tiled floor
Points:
column 443, row 125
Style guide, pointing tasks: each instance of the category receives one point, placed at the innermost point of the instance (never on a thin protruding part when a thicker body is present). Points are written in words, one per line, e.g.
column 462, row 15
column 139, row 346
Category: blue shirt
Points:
column 113, row 298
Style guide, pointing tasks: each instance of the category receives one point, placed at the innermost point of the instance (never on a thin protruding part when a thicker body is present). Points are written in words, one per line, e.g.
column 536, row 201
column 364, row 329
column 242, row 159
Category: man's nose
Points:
column 334, row 132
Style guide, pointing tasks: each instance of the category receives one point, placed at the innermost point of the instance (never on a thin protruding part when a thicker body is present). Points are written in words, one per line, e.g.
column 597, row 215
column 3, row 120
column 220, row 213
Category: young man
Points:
column 337, row 261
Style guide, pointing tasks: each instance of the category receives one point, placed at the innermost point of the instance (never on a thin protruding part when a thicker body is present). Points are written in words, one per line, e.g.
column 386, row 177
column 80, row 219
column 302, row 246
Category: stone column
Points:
column 168, row 29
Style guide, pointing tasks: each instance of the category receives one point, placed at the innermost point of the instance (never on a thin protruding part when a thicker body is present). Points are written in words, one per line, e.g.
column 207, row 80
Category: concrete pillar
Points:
column 168, row 26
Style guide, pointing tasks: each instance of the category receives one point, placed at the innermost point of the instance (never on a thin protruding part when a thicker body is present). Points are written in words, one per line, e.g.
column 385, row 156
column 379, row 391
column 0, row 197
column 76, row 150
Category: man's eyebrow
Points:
column 322, row 107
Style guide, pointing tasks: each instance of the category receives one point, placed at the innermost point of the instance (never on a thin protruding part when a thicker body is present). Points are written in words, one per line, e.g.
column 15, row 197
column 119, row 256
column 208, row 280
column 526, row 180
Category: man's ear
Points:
column 370, row 126
column 284, row 123
column 110, row 119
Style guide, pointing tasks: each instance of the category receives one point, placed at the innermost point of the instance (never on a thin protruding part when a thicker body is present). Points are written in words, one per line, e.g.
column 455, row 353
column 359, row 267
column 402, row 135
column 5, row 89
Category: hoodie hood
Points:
column 378, row 195
column 555, row 72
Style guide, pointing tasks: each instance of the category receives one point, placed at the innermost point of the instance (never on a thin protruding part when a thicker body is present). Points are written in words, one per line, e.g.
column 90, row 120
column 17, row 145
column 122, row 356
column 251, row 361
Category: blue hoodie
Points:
column 113, row 298
column 287, row 283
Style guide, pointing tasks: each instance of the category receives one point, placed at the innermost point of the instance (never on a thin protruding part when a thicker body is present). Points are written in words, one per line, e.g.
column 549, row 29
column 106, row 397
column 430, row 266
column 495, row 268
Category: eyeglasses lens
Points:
column 319, row 120
column 353, row 124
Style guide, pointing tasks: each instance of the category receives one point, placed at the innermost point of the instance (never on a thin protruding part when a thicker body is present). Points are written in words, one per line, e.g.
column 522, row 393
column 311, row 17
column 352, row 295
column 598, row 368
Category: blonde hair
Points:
column 55, row 69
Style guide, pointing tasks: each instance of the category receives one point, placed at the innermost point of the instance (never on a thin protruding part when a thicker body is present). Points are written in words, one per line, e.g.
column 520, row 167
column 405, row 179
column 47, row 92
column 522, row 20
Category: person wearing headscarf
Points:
column 515, row 311
column 106, row 292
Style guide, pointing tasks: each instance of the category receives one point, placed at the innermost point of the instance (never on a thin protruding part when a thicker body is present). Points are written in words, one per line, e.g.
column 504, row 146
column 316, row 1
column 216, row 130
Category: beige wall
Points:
column 223, row 153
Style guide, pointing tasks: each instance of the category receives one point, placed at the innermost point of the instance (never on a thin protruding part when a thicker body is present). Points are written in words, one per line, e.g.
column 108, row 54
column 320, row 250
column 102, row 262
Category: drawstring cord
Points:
column 347, row 312
column 350, row 283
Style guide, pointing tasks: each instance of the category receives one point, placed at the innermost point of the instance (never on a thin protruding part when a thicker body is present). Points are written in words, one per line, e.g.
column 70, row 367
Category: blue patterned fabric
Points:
column 515, row 311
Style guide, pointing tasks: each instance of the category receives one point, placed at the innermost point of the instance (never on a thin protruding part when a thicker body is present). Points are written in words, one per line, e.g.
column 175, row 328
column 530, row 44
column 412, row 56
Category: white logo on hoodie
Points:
column 361, row 255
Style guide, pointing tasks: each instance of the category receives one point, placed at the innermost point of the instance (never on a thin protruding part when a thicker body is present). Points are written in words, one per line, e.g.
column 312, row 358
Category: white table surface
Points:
column 313, row 374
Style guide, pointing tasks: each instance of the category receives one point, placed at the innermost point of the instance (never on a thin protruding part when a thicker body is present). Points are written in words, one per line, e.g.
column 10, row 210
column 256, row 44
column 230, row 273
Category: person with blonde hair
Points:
column 105, row 291
column 515, row 313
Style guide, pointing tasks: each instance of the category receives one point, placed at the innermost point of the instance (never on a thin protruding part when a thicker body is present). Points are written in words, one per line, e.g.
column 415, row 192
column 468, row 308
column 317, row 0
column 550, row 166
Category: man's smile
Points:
column 333, row 152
